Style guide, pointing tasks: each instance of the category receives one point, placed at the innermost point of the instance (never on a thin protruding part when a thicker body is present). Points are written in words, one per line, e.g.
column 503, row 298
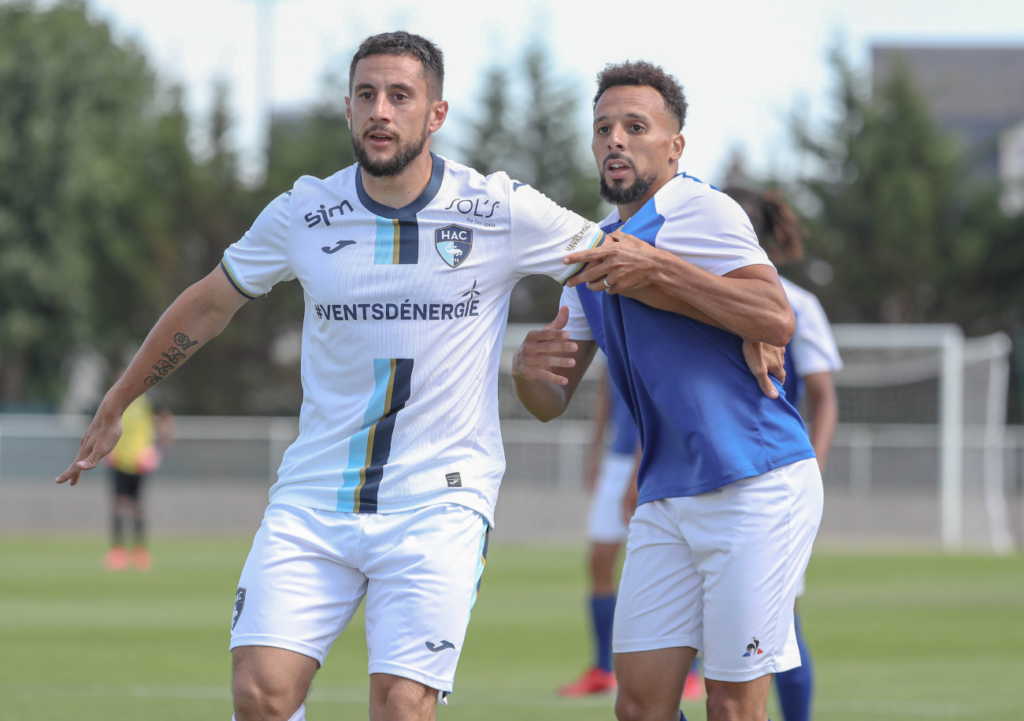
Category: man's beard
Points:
column 624, row 195
column 406, row 153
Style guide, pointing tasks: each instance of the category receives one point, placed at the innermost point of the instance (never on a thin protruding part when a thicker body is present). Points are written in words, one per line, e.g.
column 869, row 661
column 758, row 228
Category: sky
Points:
column 747, row 67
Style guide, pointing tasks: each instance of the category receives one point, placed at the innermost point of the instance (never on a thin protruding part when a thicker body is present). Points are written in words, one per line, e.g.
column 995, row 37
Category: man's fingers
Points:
column 547, row 347
column 588, row 256
column 767, row 387
column 594, row 271
column 559, row 322
column 539, row 374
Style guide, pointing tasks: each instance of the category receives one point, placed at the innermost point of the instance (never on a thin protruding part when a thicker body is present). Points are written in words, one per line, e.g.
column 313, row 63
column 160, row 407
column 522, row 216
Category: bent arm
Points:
column 198, row 315
column 749, row 301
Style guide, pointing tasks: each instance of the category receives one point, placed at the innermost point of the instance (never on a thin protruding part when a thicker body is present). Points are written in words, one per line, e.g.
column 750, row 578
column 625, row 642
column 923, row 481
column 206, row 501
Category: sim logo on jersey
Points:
column 753, row 649
column 453, row 243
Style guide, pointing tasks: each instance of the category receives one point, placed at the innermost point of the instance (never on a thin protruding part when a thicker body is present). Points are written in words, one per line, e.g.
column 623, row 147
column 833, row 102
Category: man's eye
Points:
column 400, row 96
column 602, row 131
column 366, row 96
column 637, row 128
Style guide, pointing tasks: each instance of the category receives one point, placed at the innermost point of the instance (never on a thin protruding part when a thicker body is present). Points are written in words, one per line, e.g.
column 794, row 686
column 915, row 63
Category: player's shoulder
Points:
column 460, row 177
column 686, row 197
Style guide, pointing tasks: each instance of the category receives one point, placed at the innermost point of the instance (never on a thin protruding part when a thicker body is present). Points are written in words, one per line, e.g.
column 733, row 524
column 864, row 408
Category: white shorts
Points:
column 719, row 571
column 605, row 523
column 419, row 570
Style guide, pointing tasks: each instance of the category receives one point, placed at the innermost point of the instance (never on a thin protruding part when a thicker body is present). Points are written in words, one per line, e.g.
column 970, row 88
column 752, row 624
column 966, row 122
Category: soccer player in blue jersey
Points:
column 729, row 490
column 811, row 359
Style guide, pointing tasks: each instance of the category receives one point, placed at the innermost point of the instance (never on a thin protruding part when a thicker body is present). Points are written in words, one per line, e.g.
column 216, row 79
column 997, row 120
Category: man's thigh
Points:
column 651, row 682
column 269, row 680
column 424, row 569
column 300, row 585
column 751, row 541
column 660, row 602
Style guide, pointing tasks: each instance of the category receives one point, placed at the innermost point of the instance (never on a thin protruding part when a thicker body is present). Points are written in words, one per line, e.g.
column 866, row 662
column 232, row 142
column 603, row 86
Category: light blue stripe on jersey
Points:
column 357, row 445
column 384, row 244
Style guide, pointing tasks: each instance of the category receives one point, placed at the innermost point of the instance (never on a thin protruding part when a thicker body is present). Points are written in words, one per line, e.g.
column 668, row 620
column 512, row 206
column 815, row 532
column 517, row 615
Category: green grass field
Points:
column 894, row 637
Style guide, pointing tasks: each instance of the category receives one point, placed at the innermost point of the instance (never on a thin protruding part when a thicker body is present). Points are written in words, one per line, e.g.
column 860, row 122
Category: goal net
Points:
column 921, row 445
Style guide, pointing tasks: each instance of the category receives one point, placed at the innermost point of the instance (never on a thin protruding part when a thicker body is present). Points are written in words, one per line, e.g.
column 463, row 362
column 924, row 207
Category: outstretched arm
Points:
column 198, row 315
column 548, row 368
column 749, row 302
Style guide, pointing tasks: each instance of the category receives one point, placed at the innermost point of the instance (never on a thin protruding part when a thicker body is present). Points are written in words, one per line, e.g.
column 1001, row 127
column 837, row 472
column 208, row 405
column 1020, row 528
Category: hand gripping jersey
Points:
column 703, row 420
column 402, row 334
column 812, row 348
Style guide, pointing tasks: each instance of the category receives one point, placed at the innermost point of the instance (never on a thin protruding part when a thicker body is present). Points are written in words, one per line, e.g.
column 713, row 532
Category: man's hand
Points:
column 764, row 360
column 623, row 262
column 537, row 353
column 98, row 441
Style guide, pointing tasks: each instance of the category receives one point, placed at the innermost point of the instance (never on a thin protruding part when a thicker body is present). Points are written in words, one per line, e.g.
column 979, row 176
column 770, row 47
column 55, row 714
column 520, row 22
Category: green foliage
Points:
column 910, row 236
column 78, row 234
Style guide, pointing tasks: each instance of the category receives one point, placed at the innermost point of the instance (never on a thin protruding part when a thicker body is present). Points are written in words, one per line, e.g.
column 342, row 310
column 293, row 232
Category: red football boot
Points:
column 595, row 680
column 141, row 559
column 693, row 689
column 116, row 559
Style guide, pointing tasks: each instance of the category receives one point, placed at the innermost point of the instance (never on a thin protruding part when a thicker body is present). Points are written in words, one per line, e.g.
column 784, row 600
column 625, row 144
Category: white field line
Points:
column 506, row 698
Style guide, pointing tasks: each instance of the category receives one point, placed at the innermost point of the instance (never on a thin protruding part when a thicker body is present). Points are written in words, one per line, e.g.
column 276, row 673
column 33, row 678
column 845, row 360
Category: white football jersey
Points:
column 404, row 321
column 813, row 346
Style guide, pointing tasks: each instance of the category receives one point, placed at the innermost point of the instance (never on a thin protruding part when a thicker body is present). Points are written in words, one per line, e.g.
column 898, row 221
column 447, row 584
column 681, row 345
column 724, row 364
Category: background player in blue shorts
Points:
column 729, row 492
column 811, row 359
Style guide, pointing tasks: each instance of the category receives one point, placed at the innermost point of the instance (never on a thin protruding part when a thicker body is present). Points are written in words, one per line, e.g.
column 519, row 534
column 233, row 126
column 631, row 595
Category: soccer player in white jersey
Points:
column 407, row 261
column 811, row 359
column 729, row 491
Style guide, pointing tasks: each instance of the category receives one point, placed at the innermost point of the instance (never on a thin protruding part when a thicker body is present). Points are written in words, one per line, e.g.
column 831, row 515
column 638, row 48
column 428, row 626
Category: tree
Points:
column 897, row 219
column 79, row 127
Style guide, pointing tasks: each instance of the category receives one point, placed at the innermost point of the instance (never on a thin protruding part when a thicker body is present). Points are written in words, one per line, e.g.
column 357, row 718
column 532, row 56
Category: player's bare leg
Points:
column 747, row 701
column 393, row 698
column 269, row 684
column 651, row 683
column 602, row 567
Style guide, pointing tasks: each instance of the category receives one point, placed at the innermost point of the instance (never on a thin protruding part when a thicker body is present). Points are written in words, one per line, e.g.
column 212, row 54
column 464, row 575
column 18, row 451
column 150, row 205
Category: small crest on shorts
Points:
column 239, row 604
column 753, row 649
column 453, row 243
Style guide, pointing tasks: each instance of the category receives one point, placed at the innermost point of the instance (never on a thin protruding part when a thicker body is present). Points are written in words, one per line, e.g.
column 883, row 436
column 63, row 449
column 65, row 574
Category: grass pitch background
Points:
column 894, row 637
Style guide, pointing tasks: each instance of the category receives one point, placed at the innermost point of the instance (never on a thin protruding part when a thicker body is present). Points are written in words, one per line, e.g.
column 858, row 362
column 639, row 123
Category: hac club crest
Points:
column 453, row 243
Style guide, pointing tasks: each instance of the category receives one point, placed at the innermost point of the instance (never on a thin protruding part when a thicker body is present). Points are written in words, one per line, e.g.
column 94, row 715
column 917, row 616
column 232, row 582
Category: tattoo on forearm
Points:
column 174, row 355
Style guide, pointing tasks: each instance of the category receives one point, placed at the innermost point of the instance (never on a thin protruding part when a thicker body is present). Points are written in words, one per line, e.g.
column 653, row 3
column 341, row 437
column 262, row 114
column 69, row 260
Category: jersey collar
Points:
column 410, row 210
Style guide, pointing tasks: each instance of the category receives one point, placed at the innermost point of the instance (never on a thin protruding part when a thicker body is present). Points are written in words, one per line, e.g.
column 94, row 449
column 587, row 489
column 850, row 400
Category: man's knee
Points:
column 267, row 685
column 394, row 698
column 737, row 701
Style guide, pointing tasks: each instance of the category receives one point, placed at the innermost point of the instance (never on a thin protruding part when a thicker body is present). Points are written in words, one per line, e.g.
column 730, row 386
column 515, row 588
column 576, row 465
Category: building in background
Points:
column 977, row 95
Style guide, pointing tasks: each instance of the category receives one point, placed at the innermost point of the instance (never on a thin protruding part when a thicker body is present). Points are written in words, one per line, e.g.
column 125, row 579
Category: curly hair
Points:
column 403, row 43
column 644, row 73
column 777, row 227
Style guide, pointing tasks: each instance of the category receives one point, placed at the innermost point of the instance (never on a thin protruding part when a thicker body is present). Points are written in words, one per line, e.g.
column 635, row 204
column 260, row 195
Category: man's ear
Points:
column 348, row 113
column 678, row 143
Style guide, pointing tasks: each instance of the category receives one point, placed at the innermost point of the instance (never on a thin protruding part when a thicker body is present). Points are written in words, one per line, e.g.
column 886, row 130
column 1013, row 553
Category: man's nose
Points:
column 381, row 110
column 616, row 139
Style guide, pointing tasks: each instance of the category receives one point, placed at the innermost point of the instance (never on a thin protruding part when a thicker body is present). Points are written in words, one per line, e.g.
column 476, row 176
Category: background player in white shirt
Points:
column 811, row 359
column 730, row 494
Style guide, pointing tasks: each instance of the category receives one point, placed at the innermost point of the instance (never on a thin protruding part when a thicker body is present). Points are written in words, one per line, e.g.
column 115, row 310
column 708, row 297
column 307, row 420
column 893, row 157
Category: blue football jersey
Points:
column 703, row 420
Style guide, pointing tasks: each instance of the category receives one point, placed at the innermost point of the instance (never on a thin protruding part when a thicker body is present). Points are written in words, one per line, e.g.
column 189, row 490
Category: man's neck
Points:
column 397, row 191
column 628, row 210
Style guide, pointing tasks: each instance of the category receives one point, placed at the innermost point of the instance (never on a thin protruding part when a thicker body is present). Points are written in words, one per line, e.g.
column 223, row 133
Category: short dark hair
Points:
column 403, row 43
column 644, row 73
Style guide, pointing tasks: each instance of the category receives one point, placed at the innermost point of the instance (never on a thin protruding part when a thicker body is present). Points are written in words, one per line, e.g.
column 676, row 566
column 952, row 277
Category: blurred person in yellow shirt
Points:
column 146, row 436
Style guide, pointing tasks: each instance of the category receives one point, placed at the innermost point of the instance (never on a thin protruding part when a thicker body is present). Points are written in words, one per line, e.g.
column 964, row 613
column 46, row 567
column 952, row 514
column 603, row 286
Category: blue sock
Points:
column 602, row 612
column 796, row 685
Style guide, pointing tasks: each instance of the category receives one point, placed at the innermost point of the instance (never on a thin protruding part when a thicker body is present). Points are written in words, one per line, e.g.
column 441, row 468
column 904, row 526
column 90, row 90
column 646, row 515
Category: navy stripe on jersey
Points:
column 399, row 390
column 408, row 246
column 234, row 282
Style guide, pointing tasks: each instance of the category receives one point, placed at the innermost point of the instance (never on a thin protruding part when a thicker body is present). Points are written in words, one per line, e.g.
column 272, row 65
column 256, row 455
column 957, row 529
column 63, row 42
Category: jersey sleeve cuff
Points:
column 578, row 268
column 233, row 279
